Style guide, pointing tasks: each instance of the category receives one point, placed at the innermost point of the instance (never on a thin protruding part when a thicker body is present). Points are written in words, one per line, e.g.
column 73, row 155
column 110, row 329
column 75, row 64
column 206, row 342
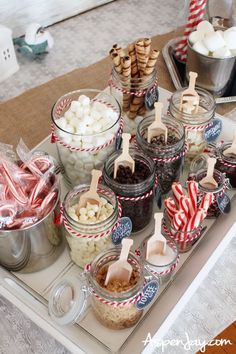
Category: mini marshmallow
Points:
column 196, row 36
column 97, row 127
column 205, row 27
column 74, row 122
column 89, row 120
column 84, row 100
column 74, row 106
column 214, row 41
column 200, row 48
column 61, row 122
column 69, row 115
column 223, row 52
column 230, row 39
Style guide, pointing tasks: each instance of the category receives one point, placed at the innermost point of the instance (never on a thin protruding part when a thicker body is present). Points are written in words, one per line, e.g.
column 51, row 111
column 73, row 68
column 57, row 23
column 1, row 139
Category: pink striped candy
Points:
column 177, row 191
column 196, row 219
column 206, row 201
column 192, row 193
column 170, row 207
column 184, row 204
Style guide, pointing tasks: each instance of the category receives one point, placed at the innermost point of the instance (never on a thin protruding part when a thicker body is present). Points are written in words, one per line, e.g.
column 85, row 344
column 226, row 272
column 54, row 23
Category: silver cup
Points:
column 214, row 74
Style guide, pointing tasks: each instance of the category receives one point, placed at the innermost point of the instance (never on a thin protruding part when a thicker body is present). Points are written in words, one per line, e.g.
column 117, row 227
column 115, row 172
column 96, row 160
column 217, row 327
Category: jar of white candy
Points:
column 88, row 235
column 195, row 123
column 136, row 99
column 85, row 124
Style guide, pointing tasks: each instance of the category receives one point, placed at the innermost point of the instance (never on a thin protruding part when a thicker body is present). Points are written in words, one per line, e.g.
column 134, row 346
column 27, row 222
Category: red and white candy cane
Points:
column 196, row 11
column 192, row 193
column 206, row 201
column 170, row 207
column 184, row 204
column 196, row 219
column 179, row 220
column 8, row 209
column 177, row 191
column 48, row 199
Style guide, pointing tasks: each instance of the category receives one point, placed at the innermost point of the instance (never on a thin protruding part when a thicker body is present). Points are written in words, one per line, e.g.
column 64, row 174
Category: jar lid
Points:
column 68, row 301
column 199, row 163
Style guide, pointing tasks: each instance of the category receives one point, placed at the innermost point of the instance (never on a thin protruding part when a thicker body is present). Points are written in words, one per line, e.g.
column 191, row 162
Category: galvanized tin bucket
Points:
column 33, row 248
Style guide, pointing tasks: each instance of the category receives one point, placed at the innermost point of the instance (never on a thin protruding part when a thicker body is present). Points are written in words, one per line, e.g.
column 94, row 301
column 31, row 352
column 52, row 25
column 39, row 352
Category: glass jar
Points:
column 195, row 124
column 79, row 151
column 169, row 159
column 135, row 98
column 113, row 309
column 87, row 240
column 136, row 199
column 185, row 240
column 163, row 266
column 226, row 164
column 218, row 192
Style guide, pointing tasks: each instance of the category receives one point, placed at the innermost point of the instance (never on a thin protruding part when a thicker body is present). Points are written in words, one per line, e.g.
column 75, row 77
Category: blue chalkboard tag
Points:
column 123, row 230
column 149, row 292
column 158, row 196
column 212, row 132
column 224, row 203
column 151, row 96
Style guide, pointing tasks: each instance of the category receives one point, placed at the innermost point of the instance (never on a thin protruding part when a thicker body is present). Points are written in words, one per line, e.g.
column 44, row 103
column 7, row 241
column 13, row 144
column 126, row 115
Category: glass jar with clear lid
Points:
column 168, row 158
column 87, row 239
column 196, row 123
column 113, row 307
column 85, row 131
column 136, row 98
column 136, row 198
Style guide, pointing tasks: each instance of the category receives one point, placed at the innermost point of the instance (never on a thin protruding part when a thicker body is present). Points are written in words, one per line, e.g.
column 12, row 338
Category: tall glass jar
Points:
column 226, row 163
column 136, row 199
column 136, row 97
column 87, row 240
column 169, row 158
column 195, row 124
column 114, row 307
column 85, row 144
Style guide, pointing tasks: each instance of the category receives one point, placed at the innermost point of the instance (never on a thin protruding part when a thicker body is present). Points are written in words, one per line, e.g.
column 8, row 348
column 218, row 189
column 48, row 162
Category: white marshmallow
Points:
column 205, row 27
column 69, row 115
column 89, row 120
column 74, row 122
column 97, row 127
column 230, row 39
column 214, row 41
column 196, row 36
column 223, row 52
column 84, row 100
column 200, row 48
column 74, row 106
column 61, row 122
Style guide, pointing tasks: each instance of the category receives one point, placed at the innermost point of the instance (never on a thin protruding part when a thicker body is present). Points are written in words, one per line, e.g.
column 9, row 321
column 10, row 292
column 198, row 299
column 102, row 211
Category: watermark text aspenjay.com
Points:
column 187, row 343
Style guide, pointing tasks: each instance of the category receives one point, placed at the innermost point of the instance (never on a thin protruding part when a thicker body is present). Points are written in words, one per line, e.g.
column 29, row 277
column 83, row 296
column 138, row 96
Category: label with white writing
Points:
column 149, row 292
column 224, row 203
column 123, row 230
column 151, row 96
column 213, row 131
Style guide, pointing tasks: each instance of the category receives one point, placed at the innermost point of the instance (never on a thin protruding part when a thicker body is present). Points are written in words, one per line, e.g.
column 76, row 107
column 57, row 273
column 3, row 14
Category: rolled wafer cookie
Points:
column 119, row 50
column 141, row 57
column 136, row 103
column 117, row 62
column 142, row 110
column 126, row 72
column 147, row 47
column 134, row 65
column 151, row 63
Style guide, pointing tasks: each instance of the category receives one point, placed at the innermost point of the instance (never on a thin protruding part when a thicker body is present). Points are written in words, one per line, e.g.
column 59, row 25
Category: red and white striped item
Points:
column 170, row 207
column 184, row 204
column 177, row 191
column 179, row 220
column 196, row 11
column 206, row 201
column 196, row 220
column 192, row 192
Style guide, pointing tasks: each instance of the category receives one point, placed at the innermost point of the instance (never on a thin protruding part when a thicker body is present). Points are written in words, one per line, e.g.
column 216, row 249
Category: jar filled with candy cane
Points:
column 117, row 305
column 195, row 123
column 134, row 80
column 167, row 155
column 85, row 125
column 135, row 191
column 159, row 264
column 86, row 234
column 220, row 203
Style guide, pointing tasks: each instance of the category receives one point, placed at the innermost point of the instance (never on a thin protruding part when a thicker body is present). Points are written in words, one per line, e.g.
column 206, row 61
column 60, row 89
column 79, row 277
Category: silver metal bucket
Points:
column 214, row 74
column 34, row 248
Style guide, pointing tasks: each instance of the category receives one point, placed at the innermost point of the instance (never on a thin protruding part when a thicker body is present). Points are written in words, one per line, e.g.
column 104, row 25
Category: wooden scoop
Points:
column 121, row 269
column 209, row 180
column 157, row 243
column 190, row 97
column 124, row 159
column 91, row 196
column 232, row 149
column 157, row 127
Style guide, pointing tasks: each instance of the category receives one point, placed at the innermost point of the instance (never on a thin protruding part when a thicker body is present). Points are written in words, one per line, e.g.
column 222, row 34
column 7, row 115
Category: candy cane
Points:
column 178, row 220
column 206, row 201
column 193, row 192
column 177, row 191
column 184, row 204
column 170, row 207
column 8, row 209
column 17, row 192
column 196, row 219
column 47, row 200
column 37, row 189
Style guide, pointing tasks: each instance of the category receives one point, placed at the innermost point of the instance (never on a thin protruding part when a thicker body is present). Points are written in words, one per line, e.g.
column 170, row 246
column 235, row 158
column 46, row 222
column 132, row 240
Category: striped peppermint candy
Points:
column 206, row 201
column 196, row 219
column 192, row 193
column 177, row 191
column 170, row 207
column 184, row 204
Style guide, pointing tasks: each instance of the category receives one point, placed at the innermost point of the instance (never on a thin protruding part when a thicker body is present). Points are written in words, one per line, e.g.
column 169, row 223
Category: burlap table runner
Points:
column 29, row 115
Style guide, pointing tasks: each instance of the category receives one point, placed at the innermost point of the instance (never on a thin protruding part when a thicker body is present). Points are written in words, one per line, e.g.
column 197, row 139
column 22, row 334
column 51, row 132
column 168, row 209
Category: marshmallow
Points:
column 196, row 36
column 223, row 52
column 230, row 39
column 84, row 100
column 74, row 106
column 205, row 27
column 200, row 48
column 61, row 122
column 214, row 41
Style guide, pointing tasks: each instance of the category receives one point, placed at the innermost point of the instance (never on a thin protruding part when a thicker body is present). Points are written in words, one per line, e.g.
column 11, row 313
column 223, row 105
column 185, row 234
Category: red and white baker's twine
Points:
column 173, row 158
column 226, row 163
column 134, row 93
column 66, row 103
column 196, row 11
column 72, row 231
column 178, row 235
column 141, row 197
column 133, row 300
column 198, row 127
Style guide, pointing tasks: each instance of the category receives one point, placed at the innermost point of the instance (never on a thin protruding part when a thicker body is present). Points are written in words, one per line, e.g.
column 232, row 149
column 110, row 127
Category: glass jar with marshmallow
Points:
column 85, row 125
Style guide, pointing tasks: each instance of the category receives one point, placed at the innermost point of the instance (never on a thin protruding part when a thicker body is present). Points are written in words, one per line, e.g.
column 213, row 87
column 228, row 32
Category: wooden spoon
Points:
column 91, row 196
column 209, row 180
column 157, row 127
column 157, row 243
column 190, row 98
column 232, row 149
column 121, row 269
column 124, row 159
